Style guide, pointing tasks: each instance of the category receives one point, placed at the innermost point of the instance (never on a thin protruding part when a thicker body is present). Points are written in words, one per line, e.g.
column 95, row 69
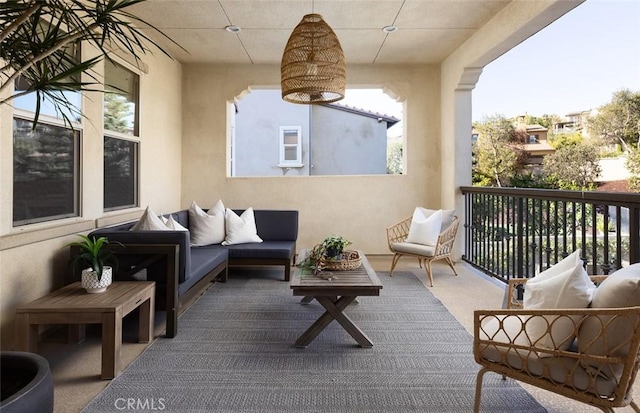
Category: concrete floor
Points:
column 76, row 368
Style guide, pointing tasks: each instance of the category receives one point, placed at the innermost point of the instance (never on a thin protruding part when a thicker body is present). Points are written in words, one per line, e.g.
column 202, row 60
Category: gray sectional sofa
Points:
column 183, row 272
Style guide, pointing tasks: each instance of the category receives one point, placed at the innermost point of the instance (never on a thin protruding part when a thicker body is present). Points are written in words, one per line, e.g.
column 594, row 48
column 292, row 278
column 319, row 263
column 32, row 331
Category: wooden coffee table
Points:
column 335, row 295
column 74, row 306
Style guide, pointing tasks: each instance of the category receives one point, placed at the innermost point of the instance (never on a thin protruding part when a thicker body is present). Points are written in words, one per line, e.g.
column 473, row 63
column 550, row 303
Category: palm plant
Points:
column 94, row 252
column 39, row 38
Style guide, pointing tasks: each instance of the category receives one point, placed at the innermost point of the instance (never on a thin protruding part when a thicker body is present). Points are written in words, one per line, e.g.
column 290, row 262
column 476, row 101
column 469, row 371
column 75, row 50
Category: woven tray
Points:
column 350, row 261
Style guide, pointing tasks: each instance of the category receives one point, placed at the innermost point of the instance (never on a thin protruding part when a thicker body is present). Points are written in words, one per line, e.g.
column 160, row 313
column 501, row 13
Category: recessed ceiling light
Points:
column 389, row 29
column 233, row 29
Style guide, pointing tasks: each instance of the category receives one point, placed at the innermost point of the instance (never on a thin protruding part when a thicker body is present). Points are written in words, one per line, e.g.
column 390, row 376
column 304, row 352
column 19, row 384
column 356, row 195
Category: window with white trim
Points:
column 291, row 146
column 121, row 100
column 46, row 156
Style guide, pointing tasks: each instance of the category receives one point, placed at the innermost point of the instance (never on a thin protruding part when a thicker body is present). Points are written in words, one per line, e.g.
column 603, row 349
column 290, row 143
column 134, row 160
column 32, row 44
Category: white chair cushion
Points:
column 240, row 229
column 424, row 229
column 207, row 227
column 417, row 249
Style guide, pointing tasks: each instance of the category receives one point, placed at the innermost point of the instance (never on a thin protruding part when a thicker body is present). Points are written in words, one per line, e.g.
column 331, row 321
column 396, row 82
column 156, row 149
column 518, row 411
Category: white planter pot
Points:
column 90, row 280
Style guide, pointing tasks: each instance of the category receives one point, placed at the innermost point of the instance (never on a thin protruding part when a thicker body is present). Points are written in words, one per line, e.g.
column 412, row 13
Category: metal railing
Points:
column 512, row 232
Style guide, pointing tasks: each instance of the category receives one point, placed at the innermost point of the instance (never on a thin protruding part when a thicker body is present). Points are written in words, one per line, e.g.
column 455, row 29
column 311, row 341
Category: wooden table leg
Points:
column 26, row 334
column 345, row 321
column 306, row 300
column 324, row 320
column 111, row 343
column 77, row 333
column 145, row 321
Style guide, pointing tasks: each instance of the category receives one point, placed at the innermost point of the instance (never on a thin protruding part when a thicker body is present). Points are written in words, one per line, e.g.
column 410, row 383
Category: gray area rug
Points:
column 234, row 353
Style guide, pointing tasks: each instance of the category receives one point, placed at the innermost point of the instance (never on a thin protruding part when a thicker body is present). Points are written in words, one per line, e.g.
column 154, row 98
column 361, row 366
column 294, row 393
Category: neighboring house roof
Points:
column 391, row 120
column 541, row 148
column 536, row 128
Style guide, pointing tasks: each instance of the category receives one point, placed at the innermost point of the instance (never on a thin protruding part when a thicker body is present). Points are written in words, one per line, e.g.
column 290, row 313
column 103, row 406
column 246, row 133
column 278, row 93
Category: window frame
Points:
column 287, row 163
column 135, row 172
column 77, row 129
column 133, row 137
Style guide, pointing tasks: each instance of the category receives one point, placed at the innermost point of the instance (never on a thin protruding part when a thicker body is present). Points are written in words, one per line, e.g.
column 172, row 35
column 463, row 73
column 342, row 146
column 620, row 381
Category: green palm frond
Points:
column 38, row 39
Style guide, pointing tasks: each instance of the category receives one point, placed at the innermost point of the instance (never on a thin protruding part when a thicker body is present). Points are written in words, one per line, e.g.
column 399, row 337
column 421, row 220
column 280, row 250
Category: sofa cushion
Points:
column 203, row 260
column 275, row 225
column 267, row 249
column 207, row 227
column 240, row 229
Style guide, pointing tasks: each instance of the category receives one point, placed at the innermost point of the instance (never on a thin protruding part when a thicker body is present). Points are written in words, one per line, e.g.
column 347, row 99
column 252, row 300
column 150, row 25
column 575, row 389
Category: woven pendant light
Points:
column 313, row 69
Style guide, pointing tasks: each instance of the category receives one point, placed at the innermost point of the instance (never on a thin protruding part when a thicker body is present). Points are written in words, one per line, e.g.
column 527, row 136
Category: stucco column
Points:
column 456, row 147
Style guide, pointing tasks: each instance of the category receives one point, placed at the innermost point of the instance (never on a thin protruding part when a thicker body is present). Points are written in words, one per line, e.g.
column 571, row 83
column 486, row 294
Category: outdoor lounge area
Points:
column 77, row 382
column 172, row 144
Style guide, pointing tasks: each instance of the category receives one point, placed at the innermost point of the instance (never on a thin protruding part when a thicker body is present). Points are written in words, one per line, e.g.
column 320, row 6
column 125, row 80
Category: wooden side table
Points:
column 74, row 306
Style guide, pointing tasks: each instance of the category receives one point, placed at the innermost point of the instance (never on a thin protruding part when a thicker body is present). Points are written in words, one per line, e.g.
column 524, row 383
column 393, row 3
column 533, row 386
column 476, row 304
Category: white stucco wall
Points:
column 259, row 116
column 345, row 143
column 34, row 258
column 357, row 207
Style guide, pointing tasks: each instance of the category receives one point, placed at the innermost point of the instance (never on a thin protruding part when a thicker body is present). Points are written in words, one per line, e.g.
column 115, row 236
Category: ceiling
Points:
column 428, row 30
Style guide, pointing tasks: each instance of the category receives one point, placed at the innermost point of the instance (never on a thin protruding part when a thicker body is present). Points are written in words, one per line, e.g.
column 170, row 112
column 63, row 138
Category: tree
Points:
column 116, row 110
column 572, row 167
column 498, row 152
column 566, row 139
column 619, row 120
column 394, row 158
column 633, row 164
column 39, row 38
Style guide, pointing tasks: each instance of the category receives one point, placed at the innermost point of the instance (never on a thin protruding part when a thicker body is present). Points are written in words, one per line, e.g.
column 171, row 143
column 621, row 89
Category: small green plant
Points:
column 334, row 245
column 330, row 248
column 93, row 252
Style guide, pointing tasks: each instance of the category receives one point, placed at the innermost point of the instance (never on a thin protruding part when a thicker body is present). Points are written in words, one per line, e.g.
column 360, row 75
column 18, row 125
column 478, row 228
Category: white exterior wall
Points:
column 345, row 143
column 257, row 134
column 34, row 258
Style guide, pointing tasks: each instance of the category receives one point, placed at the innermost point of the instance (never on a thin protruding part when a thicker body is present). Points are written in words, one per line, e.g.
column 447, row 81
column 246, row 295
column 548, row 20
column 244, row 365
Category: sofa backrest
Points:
column 275, row 225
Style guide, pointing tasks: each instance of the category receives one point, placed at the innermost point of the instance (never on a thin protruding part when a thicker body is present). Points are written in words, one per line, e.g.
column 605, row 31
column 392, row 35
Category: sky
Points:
column 574, row 64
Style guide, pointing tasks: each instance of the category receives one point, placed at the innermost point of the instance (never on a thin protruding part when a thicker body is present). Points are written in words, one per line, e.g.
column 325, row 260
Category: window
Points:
column 533, row 138
column 120, row 124
column 120, row 173
column 290, row 146
column 46, row 159
column 120, row 99
column 361, row 135
column 45, row 172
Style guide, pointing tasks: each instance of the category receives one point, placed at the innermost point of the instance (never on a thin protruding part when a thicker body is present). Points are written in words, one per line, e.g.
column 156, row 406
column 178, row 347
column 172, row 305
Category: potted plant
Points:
column 94, row 253
column 334, row 246
column 330, row 249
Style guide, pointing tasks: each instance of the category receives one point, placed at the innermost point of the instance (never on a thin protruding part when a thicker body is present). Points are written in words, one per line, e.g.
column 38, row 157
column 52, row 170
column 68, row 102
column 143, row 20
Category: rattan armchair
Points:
column 396, row 239
column 599, row 367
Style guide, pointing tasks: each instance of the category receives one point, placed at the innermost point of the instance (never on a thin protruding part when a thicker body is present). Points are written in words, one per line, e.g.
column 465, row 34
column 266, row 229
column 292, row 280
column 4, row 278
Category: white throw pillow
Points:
column 447, row 215
column 207, row 227
column 149, row 221
column 425, row 229
column 240, row 229
column 174, row 225
column 564, row 285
